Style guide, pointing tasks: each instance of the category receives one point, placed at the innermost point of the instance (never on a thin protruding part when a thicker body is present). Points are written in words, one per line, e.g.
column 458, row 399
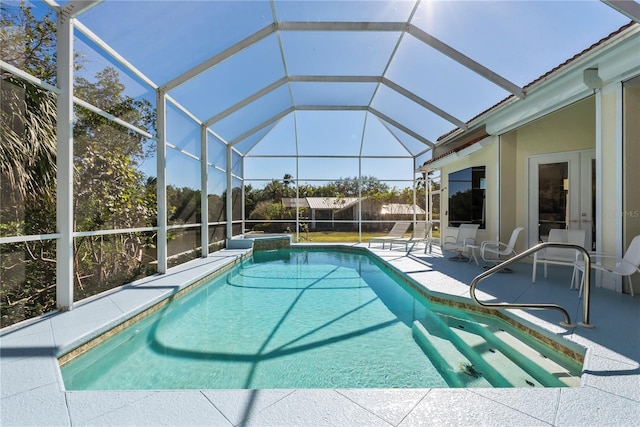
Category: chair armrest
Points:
column 595, row 257
column 493, row 244
column 492, row 247
column 557, row 256
column 599, row 257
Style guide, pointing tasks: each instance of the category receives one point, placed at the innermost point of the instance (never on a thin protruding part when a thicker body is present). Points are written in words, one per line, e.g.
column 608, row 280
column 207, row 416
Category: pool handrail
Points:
column 567, row 321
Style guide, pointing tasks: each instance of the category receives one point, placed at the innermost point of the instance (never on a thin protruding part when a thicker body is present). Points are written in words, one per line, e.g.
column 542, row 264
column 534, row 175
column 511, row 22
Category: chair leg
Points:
column 581, row 283
column 459, row 257
column 576, row 281
column 630, row 285
column 533, row 274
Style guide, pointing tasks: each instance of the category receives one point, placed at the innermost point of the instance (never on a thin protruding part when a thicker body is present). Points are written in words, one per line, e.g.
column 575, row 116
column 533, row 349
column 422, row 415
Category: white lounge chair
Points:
column 466, row 236
column 397, row 231
column 420, row 234
column 495, row 251
column 559, row 256
column 626, row 266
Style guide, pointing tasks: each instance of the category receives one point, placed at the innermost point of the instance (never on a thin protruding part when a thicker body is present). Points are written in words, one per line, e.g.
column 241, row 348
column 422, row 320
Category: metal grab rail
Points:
column 587, row 277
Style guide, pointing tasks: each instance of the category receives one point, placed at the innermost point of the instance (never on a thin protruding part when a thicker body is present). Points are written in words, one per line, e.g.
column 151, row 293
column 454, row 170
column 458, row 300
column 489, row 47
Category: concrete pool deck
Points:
column 33, row 392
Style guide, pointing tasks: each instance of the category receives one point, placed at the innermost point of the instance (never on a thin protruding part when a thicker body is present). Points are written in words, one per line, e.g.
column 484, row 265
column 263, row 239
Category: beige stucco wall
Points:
column 509, row 191
column 631, row 151
column 620, row 195
column 569, row 129
column 610, row 175
column 486, row 156
column 631, row 170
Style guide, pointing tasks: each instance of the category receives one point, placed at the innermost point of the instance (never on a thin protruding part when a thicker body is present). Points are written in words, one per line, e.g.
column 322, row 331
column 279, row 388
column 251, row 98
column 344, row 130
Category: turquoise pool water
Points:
column 286, row 319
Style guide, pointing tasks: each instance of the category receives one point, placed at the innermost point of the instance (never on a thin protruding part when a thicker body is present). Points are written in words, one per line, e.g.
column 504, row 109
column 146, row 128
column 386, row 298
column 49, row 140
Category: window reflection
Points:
column 467, row 197
column 553, row 186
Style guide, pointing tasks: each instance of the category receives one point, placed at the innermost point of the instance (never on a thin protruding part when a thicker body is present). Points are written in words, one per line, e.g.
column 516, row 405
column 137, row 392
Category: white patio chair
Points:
column 559, row 256
column 466, row 236
column 397, row 231
column 420, row 234
column 626, row 266
column 495, row 251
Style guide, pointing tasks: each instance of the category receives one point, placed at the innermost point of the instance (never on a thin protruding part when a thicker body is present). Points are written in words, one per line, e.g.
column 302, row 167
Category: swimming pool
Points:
column 309, row 318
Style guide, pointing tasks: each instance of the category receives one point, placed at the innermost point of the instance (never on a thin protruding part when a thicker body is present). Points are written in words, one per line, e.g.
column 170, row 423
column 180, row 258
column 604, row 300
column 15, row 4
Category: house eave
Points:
column 560, row 87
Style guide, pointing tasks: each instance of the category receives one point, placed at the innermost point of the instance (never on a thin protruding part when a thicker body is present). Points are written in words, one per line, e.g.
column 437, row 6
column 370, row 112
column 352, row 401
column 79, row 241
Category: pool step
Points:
column 548, row 371
column 480, row 359
column 498, row 367
column 452, row 365
column 462, row 348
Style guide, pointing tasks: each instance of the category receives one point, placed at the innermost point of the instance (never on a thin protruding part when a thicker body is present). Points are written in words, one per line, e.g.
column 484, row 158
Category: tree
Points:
column 110, row 190
column 28, row 113
column 183, row 205
column 269, row 210
column 351, row 187
column 28, row 43
column 27, row 165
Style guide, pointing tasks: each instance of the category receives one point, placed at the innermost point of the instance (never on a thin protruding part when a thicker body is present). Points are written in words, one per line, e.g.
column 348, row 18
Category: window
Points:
column 467, row 197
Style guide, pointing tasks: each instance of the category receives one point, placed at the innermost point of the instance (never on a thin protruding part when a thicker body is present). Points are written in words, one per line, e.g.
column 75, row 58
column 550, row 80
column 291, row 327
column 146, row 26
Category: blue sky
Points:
column 520, row 40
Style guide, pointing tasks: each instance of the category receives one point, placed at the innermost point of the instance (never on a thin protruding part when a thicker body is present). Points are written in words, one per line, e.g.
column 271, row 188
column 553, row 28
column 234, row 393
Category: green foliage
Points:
column 183, row 205
column 28, row 43
column 27, row 289
column 216, row 208
column 270, row 210
column 110, row 190
column 274, row 192
column 349, row 187
column 27, row 165
column 27, row 131
column 371, row 188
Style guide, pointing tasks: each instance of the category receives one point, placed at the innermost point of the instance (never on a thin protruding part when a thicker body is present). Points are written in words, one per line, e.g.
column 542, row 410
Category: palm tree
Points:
column 27, row 113
column 28, row 132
